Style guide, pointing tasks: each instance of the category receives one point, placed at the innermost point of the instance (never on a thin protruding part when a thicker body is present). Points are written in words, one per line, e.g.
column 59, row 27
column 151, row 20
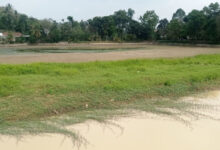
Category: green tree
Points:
column 195, row 23
column 54, row 34
column 179, row 15
column 72, row 21
column 130, row 13
column 8, row 18
column 175, row 30
column 66, row 30
column 198, row 25
column 162, row 29
column 46, row 25
column 22, row 25
column 211, row 27
column 35, row 32
column 218, row 27
column 121, row 20
column 149, row 20
column 212, row 9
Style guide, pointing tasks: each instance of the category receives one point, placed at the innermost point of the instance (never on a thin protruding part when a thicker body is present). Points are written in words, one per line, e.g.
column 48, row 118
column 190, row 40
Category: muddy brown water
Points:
column 139, row 132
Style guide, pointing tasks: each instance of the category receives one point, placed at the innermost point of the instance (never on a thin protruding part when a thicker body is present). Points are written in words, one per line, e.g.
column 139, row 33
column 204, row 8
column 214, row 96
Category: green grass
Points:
column 31, row 94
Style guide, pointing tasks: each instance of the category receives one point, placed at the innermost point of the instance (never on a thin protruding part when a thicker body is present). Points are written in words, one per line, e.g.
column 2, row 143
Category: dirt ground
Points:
column 141, row 131
column 64, row 45
column 144, row 51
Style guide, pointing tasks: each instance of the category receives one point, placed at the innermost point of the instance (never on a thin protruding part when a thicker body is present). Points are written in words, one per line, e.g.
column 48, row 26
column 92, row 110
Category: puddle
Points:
column 24, row 52
column 7, row 51
column 64, row 51
column 143, row 132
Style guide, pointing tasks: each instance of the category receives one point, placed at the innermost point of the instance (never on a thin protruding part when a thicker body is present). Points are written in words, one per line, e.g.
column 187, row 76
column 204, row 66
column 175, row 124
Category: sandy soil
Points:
column 137, row 133
column 144, row 51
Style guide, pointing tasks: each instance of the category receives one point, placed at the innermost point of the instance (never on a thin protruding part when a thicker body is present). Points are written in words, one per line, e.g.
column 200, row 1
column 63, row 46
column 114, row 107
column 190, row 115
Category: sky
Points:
column 87, row 9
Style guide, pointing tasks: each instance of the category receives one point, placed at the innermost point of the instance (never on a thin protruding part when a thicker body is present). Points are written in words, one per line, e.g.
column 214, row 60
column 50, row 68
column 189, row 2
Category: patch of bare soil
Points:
column 144, row 51
column 139, row 132
column 64, row 45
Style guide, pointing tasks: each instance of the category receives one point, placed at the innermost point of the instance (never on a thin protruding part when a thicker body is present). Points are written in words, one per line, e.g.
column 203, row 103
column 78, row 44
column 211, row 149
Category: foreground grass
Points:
column 31, row 94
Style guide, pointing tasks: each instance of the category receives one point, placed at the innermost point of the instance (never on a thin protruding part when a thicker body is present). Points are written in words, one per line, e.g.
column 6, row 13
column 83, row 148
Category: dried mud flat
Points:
column 141, row 50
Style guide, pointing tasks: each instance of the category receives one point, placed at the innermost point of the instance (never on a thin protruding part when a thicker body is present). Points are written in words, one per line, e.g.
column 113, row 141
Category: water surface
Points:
column 10, row 51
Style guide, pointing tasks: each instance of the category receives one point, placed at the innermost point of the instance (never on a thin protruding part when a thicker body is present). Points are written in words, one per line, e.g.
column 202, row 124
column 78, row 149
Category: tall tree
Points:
column 46, row 24
column 22, row 25
column 179, row 15
column 212, row 9
column 195, row 22
column 211, row 28
column 54, row 34
column 131, row 13
column 218, row 27
column 121, row 20
column 175, row 30
column 149, row 20
column 162, row 28
column 35, row 31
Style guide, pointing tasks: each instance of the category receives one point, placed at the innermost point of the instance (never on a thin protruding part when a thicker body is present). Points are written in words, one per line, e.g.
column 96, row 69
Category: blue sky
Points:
column 86, row 9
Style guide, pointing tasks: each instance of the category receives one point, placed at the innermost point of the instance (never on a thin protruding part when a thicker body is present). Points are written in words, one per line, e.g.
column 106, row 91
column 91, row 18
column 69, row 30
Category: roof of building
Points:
column 15, row 34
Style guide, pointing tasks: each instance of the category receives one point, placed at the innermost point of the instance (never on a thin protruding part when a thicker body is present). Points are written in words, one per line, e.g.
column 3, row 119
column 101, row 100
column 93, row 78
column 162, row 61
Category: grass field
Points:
column 30, row 93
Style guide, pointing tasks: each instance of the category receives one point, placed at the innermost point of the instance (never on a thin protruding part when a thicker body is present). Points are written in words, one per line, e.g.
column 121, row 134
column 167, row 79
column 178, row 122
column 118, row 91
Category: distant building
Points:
column 16, row 36
column 1, row 37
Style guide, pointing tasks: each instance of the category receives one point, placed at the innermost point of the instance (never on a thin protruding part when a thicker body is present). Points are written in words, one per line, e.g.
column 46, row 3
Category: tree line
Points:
column 197, row 26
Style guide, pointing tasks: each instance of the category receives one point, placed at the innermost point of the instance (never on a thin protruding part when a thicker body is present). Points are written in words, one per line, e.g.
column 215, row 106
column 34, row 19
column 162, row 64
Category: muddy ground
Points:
column 141, row 50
